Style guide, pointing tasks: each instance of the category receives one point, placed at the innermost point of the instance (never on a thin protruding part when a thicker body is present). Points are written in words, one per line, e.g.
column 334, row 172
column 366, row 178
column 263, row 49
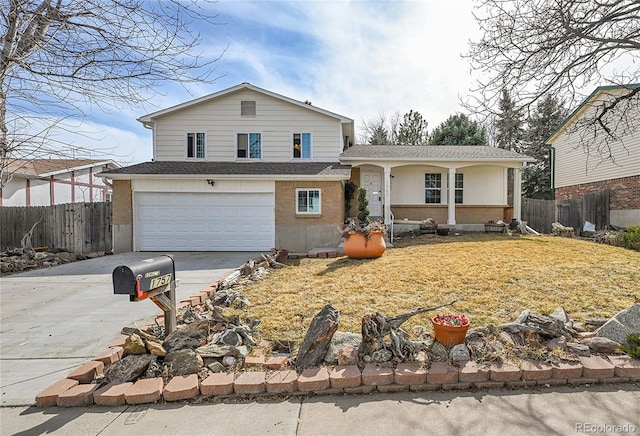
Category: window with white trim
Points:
column 307, row 201
column 249, row 146
column 459, row 188
column 195, row 145
column 302, row 145
column 248, row 108
column 433, row 188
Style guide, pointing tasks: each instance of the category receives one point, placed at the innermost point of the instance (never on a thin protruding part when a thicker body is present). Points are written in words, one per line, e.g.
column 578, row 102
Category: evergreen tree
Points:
column 413, row 129
column 509, row 125
column 542, row 123
column 458, row 129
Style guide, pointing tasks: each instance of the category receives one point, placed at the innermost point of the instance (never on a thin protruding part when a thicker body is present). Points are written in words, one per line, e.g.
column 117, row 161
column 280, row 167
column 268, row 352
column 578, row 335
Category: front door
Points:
column 372, row 182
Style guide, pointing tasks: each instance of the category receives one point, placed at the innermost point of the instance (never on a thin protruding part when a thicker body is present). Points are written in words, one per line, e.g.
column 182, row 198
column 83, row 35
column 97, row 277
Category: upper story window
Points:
column 195, row 145
column 302, row 145
column 307, row 201
column 249, row 145
column 433, row 188
column 248, row 108
column 459, row 188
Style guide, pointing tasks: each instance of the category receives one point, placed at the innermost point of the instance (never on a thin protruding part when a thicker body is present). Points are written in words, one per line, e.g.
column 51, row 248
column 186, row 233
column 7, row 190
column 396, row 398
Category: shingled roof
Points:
column 431, row 153
column 204, row 168
column 46, row 167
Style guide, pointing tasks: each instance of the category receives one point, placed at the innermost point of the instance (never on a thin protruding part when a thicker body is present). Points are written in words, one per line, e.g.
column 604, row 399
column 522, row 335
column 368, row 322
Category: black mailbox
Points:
column 139, row 279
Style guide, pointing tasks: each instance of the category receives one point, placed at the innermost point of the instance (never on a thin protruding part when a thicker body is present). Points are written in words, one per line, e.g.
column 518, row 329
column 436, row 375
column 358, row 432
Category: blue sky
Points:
column 356, row 58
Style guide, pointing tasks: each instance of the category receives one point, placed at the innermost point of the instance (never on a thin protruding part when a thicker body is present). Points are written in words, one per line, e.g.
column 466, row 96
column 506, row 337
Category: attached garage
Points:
column 170, row 221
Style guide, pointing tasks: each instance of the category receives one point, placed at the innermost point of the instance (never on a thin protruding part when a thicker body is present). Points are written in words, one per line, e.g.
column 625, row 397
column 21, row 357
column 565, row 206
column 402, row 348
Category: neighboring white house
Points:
column 248, row 169
column 577, row 171
column 45, row 182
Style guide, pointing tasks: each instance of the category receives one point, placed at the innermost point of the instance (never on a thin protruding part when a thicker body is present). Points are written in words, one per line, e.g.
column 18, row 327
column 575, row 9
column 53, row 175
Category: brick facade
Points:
column 301, row 233
column 625, row 192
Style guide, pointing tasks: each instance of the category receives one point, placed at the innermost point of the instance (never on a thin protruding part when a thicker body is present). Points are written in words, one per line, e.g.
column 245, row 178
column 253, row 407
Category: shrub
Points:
column 632, row 348
column 631, row 238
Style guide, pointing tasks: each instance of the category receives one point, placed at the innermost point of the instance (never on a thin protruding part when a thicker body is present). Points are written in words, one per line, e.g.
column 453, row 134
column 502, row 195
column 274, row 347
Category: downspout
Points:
column 552, row 164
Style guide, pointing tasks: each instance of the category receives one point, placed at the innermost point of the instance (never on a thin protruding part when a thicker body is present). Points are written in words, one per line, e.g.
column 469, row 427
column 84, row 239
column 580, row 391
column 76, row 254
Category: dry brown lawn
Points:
column 495, row 277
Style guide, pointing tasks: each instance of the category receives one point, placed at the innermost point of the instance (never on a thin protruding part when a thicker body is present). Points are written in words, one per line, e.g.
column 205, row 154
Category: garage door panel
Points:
column 204, row 222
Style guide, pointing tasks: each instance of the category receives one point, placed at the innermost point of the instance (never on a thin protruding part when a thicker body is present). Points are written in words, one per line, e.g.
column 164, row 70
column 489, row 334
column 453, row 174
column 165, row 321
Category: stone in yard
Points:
column 129, row 368
column 559, row 342
column 95, row 254
column 477, row 346
column 227, row 337
column 459, row 353
column 381, row 355
column 134, row 345
column 156, row 348
column 217, row 350
column 216, row 367
column 66, row 257
column 621, row 325
column 229, row 361
column 339, row 341
column 191, row 336
column 438, row 352
column 318, row 337
column 561, row 315
column 579, row 349
column 601, row 345
column 421, row 357
column 183, row 362
column 348, row 355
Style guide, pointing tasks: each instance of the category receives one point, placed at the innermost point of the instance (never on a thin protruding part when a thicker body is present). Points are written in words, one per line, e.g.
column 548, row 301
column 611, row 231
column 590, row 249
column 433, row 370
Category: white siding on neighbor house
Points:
column 483, row 185
column 573, row 166
column 14, row 192
column 221, row 121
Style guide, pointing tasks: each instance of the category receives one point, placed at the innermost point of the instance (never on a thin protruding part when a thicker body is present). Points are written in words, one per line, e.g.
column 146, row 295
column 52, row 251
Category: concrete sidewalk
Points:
column 53, row 320
column 544, row 411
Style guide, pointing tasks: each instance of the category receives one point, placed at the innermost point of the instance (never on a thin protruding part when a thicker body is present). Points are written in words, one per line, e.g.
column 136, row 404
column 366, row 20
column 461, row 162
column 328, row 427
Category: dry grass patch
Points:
column 495, row 277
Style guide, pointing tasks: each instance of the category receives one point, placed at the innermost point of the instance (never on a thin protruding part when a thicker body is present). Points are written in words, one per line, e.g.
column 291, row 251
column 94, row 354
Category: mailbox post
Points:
column 153, row 278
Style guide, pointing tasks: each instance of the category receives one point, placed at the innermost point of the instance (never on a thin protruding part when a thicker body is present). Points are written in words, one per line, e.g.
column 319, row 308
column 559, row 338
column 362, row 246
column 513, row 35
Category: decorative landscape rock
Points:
column 459, row 353
column 621, row 325
column 601, row 345
column 128, row 369
column 348, row 355
column 438, row 352
column 217, row 350
column 579, row 349
column 134, row 345
column 183, row 362
column 191, row 336
column 316, row 341
column 339, row 341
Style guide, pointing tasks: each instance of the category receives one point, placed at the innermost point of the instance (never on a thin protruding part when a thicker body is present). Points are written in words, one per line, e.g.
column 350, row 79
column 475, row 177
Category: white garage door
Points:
column 204, row 222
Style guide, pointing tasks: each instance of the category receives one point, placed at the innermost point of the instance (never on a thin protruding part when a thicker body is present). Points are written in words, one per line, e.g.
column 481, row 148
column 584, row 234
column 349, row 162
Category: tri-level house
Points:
column 243, row 169
column 248, row 169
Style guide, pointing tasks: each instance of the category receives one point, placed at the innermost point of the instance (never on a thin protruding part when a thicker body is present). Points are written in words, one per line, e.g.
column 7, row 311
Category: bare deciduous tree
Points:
column 59, row 59
column 537, row 48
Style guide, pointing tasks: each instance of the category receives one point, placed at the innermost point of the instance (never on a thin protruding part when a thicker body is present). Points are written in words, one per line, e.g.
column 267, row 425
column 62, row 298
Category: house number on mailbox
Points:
column 160, row 281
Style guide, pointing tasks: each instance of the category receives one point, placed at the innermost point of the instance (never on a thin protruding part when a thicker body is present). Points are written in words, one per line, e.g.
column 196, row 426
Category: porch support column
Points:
column 451, row 186
column 387, row 196
column 517, row 193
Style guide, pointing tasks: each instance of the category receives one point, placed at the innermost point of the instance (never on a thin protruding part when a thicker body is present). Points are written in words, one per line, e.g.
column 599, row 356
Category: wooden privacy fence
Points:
column 592, row 207
column 74, row 227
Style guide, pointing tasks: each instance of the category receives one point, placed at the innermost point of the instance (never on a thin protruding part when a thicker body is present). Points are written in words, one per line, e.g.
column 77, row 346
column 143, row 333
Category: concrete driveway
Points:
column 54, row 319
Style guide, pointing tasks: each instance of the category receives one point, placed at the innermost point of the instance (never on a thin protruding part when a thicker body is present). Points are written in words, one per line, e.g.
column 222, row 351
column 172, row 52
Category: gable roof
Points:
column 260, row 170
column 577, row 111
column 50, row 167
column 438, row 153
column 146, row 119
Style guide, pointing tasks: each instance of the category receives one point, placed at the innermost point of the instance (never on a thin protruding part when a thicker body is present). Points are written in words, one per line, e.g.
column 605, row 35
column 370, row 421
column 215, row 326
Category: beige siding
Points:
column 573, row 166
column 483, row 185
column 220, row 119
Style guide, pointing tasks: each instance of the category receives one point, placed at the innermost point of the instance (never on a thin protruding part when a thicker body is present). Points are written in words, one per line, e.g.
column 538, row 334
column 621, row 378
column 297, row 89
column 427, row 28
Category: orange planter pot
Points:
column 449, row 336
column 357, row 246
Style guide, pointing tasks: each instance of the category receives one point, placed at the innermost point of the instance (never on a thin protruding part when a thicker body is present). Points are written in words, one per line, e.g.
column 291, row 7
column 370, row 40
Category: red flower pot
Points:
column 358, row 246
column 449, row 335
